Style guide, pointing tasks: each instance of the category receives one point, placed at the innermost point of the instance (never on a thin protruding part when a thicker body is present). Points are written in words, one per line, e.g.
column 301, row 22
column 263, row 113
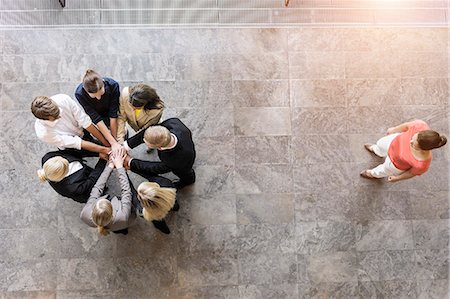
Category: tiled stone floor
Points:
column 279, row 117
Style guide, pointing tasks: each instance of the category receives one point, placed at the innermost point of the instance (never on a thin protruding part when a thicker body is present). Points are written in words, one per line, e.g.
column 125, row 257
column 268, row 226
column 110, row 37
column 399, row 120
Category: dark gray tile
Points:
column 262, row 121
column 263, row 149
column 265, row 208
column 215, row 150
column 29, row 295
column 266, row 238
column 260, row 268
column 207, row 269
column 32, row 275
column 431, row 234
column 310, row 149
column 211, row 179
column 320, row 120
column 383, row 265
column 318, row 93
column 432, row 289
column 324, row 236
column 329, row 176
column 432, row 264
column 385, row 234
column 328, row 290
column 284, row 290
column 332, row 267
column 213, row 292
column 387, row 289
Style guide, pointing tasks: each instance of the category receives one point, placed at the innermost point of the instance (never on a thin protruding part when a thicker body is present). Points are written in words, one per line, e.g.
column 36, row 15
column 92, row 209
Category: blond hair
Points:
column 102, row 214
column 157, row 136
column 54, row 169
column 43, row 107
column 92, row 81
column 156, row 201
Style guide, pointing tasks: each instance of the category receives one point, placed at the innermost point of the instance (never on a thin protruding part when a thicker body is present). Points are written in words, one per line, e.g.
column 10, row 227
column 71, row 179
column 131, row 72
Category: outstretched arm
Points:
column 398, row 129
column 404, row 176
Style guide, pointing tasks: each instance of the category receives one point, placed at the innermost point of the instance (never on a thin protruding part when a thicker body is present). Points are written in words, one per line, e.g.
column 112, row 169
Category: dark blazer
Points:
column 78, row 185
column 178, row 159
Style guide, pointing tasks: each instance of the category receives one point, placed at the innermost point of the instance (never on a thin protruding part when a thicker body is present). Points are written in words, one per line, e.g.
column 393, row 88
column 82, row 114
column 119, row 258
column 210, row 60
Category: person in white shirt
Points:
column 60, row 122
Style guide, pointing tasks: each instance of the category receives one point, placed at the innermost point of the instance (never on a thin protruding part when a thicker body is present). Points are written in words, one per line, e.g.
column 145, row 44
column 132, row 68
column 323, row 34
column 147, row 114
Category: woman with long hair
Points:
column 407, row 149
column 110, row 214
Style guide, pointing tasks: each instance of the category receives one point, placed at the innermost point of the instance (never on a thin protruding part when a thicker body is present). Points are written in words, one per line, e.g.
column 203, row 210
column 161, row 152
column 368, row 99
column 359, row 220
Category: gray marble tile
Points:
column 211, row 179
column 262, row 121
column 265, row 208
column 213, row 292
column 207, row 238
column 89, row 294
column 31, row 42
column 323, row 120
column 316, row 39
column 385, row 234
column 263, row 149
column 332, row 267
column 207, row 269
column 29, row 68
column 205, row 122
column 260, row 268
column 260, row 93
column 269, row 291
column 17, row 125
column 414, row 39
column 366, row 120
column 310, row 149
column 212, row 209
column 435, row 116
column 324, row 236
column 202, row 67
column 363, row 39
column 435, row 179
column 401, row 289
column 81, row 274
column 252, row 40
column 263, row 178
column 318, row 93
column 194, row 94
column 23, row 154
column 429, row 204
column 328, row 290
column 266, row 238
column 317, row 65
column 431, row 234
column 372, row 64
column 329, row 176
column 432, row 289
column 383, row 265
column 424, row 91
column 432, row 264
column 29, row 295
column 215, row 150
column 32, row 275
column 255, row 66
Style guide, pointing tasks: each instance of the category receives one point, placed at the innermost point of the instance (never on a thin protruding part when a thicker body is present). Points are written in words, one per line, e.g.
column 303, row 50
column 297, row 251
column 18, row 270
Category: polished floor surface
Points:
column 279, row 117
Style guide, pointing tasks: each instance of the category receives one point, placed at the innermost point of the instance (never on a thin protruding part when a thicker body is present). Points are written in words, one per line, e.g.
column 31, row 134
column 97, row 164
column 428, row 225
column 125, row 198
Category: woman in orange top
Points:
column 407, row 149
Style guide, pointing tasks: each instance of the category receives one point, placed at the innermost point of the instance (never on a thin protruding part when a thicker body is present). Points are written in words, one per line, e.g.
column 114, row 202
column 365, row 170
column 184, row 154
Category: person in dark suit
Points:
column 176, row 150
column 154, row 199
column 68, row 175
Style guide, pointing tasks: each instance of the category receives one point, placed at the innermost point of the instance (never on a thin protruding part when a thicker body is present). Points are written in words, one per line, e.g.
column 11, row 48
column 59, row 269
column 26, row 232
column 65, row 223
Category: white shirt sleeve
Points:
column 61, row 141
column 78, row 113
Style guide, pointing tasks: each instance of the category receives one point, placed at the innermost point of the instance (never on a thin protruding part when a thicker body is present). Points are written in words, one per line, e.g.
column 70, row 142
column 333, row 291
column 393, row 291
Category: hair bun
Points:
column 41, row 175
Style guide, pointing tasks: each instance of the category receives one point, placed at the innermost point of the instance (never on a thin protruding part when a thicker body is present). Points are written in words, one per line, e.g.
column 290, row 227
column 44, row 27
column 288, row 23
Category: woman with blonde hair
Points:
column 110, row 214
column 68, row 175
column 157, row 198
column 140, row 107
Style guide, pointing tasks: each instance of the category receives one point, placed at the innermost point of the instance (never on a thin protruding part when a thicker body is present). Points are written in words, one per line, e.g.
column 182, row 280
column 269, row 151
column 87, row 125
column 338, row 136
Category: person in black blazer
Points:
column 176, row 150
column 154, row 199
column 68, row 175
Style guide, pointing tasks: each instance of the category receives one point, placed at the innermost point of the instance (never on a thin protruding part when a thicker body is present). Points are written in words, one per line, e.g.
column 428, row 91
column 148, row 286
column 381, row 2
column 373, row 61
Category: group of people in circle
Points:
column 95, row 125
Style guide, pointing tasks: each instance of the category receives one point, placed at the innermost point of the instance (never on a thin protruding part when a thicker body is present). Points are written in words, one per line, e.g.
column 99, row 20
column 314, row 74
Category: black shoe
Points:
column 122, row 231
column 176, row 206
column 162, row 226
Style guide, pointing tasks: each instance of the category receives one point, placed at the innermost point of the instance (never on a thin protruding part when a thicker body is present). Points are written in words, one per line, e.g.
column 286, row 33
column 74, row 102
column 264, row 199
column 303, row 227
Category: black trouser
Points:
column 186, row 177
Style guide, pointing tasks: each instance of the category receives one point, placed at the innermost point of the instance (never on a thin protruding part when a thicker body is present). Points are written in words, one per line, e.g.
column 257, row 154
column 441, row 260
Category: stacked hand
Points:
column 117, row 157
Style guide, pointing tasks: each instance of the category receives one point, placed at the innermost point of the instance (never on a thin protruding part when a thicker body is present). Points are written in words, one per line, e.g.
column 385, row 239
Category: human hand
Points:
column 390, row 131
column 126, row 162
column 116, row 146
column 118, row 157
column 104, row 156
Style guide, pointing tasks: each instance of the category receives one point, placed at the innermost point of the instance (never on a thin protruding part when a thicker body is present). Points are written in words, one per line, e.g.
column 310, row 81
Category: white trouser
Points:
column 381, row 149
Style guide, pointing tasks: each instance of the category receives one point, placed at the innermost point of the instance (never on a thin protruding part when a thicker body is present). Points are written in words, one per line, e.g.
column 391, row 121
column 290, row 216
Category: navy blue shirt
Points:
column 106, row 107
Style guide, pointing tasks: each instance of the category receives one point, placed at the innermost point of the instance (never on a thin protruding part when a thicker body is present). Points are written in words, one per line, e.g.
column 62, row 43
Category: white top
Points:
column 74, row 167
column 68, row 130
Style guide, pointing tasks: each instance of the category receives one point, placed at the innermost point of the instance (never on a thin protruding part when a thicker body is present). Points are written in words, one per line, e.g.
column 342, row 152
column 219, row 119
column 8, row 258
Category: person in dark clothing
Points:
column 68, row 175
column 99, row 97
column 176, row 150
column 154, row 199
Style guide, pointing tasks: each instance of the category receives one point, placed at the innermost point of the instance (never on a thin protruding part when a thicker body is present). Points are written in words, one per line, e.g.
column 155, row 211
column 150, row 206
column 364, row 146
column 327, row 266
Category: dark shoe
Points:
column 366, row 174
column 122, row 231
column 176, row 206
column 162, row 226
